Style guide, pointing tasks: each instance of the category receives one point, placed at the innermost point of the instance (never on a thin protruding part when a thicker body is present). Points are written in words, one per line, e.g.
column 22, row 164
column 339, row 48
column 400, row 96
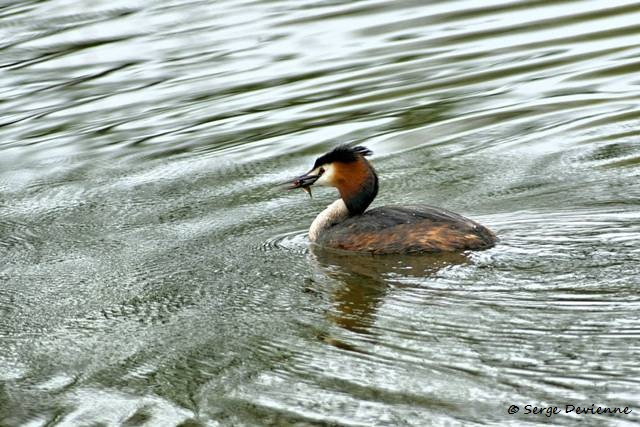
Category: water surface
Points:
column 152, row 271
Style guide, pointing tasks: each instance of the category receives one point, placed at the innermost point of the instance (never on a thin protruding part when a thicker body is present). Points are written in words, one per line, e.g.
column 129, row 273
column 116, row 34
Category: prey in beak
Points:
column 305, row 182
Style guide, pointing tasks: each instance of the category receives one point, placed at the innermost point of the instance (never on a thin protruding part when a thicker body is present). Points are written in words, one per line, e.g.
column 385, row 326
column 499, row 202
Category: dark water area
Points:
column 153, row 272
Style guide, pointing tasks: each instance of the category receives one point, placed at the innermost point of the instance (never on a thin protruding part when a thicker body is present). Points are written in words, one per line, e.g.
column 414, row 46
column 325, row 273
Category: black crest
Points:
column 343, row 154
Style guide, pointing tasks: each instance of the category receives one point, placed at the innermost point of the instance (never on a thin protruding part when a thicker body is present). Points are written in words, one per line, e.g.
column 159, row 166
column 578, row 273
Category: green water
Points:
column 153, row 271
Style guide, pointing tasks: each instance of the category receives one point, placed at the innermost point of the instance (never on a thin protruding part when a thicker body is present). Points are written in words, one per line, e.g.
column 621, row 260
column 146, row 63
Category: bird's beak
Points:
column 305, row 182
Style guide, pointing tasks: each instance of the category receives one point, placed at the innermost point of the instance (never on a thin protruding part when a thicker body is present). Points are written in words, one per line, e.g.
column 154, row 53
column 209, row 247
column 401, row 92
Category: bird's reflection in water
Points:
column 363, row 281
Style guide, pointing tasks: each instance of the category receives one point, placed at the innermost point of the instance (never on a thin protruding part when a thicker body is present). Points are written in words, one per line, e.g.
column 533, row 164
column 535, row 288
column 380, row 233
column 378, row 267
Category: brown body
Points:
column 407, row 229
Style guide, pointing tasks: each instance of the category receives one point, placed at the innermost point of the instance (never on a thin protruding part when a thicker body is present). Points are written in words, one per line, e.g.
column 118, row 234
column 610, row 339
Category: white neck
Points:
column 334, row 213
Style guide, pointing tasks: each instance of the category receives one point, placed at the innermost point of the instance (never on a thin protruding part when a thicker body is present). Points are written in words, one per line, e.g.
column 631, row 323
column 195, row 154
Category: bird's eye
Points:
column 321, row 171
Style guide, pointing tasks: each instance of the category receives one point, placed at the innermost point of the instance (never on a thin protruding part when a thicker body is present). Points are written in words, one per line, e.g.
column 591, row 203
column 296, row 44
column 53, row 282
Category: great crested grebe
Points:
column 346, row 224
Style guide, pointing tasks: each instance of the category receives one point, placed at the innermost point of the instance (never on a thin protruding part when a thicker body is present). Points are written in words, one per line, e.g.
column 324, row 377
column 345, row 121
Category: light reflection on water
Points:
column 153, row 272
